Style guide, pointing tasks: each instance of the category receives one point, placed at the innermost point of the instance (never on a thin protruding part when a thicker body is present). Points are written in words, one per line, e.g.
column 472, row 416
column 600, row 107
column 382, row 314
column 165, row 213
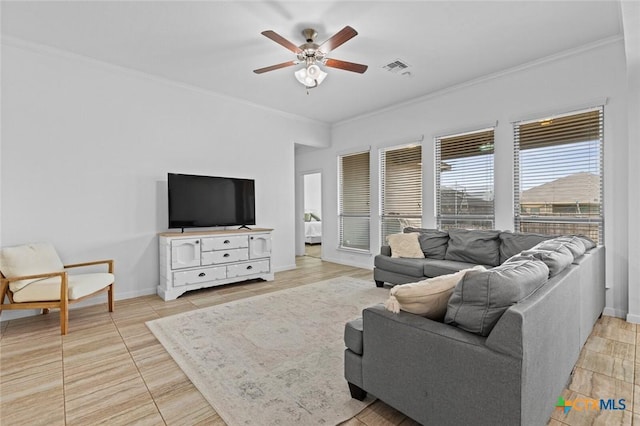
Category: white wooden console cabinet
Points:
column 193, row 260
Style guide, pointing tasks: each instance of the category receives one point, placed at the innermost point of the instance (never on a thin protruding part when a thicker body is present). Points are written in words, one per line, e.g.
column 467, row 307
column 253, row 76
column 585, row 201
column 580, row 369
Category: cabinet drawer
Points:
column 224, row 256
column 249, row 268
column 198, row 276
column 224, row 243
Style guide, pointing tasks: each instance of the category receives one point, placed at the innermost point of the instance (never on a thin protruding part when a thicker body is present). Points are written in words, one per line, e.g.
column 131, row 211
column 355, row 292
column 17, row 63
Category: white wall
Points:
column 631, row 24
column 554, row 85
column 86, row 148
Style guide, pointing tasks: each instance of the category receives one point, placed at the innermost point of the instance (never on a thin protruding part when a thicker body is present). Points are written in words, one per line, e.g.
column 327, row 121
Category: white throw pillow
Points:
column 28, row 259
column 405, row 245
column 427, row 298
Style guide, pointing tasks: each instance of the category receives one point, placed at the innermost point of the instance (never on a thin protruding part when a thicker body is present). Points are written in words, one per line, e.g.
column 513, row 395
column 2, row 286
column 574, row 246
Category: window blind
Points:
column 464, row 180
column 354, row 200
column 400, row 189
column 558, row 174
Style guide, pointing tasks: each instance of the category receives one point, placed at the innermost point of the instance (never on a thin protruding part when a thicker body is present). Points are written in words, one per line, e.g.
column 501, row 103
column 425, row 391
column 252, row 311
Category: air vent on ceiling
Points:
column 399, row 67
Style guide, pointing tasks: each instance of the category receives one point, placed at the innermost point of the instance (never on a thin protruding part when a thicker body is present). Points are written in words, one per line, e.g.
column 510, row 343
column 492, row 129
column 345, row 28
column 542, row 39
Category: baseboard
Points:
column 633, row 318
column 611, row 312
column 341, row 261
column 284, row 268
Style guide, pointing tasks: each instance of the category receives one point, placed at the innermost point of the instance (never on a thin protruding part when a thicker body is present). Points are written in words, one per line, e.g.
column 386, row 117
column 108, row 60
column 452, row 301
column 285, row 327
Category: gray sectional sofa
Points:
column 484, row 365
column 451, row 251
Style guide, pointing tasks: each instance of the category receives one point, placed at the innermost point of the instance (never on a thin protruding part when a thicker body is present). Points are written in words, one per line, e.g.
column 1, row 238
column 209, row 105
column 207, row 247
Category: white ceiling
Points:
column 215, row 45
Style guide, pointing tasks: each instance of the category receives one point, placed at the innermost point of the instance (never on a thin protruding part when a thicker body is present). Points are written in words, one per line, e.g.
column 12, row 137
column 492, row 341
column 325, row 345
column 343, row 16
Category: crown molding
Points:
column 43, row 49
column 485, row 78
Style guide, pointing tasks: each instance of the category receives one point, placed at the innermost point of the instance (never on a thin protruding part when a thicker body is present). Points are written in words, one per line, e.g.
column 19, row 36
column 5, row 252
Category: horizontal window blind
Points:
column 464, row 180
column 400, row 189
column 354, row 200
column 558, row 174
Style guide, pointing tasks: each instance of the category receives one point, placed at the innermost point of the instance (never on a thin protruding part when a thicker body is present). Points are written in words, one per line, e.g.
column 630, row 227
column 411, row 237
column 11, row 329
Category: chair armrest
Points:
column 95, row 262
column 33, row 277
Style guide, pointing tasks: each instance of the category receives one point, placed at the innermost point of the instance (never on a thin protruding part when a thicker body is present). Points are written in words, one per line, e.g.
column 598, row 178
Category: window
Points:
column 558, row 174
column 464, row 180
column 354, row 202
column 400, row 189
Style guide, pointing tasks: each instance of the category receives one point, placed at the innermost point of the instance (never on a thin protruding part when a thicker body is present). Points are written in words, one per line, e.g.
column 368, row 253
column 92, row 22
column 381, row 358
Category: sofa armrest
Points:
column 430, row 371
column 385, row 250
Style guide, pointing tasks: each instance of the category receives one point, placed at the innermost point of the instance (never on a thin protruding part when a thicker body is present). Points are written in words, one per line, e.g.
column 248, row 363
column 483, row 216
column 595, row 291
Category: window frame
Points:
column 469, row 136
column 404, row 218
column 520, row 218
column 354, row 215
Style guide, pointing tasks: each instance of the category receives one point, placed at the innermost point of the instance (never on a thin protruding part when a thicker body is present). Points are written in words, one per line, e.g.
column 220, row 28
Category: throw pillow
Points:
column 556, row 260
column 575, row 244
column 28, row 259
column 512, row 243
column 405, row 245
column 428, row 297
column 474, row 246
column 481, row 297
column 432, row 241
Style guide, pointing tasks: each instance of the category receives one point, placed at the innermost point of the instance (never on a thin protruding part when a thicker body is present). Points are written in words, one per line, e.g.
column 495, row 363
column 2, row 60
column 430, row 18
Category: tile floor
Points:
column 110, row 368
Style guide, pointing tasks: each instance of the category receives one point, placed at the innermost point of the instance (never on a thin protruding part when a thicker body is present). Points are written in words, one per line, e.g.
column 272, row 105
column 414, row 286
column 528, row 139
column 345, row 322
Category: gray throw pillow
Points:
column 575, row 246
column 474, row 246
column 512, row 243
column 432, row 241
column 587, row 242
column 480, row 298
column 556, row 260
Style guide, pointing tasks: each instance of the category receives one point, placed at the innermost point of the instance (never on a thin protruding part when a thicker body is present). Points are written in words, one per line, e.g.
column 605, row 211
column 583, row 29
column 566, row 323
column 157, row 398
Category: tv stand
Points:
column 245, row 227
column 194, row 260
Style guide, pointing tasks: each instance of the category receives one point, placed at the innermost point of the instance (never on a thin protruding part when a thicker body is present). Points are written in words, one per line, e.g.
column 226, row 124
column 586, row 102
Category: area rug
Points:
column 273, row 359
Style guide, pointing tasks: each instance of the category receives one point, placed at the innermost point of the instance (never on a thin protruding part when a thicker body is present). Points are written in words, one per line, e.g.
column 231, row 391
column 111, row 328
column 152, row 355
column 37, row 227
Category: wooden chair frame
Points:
column 64, row 302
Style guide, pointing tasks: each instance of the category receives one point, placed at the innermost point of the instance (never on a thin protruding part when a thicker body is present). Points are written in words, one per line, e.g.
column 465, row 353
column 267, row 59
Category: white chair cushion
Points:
column 48, row 289
column 28, row 259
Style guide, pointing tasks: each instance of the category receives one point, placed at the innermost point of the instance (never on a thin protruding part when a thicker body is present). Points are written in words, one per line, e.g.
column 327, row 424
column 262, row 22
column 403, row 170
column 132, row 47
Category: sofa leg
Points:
column 357, row 392
column 379, row 283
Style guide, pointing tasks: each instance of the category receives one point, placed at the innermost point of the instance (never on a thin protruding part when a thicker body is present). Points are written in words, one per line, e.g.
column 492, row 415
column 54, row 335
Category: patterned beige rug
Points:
column 273, row 359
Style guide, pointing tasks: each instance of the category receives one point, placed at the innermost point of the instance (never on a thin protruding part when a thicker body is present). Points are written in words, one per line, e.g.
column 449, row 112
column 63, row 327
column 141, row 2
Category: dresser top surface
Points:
column 189, row 234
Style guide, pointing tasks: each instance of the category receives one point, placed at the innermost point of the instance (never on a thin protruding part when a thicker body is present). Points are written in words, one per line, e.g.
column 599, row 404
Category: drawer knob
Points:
column 249, row 267
column 226, row 255
column 226, row 241
column 201, row 274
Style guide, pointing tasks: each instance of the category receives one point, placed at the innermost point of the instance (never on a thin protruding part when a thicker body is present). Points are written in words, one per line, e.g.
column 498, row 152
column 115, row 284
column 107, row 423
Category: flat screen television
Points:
column 209, row 201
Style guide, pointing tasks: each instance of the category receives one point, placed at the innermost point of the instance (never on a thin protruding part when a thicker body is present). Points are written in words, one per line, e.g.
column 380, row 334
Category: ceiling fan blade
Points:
column 281, row 41
column 347, row 66
column 342, row 36
column 275, row 67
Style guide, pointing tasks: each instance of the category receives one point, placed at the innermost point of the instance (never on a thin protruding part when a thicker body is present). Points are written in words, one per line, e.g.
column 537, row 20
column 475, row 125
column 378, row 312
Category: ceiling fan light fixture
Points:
column 311, row 76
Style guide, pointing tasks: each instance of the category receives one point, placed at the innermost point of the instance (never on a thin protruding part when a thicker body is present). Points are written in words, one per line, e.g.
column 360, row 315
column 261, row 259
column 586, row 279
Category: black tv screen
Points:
column 209, row 201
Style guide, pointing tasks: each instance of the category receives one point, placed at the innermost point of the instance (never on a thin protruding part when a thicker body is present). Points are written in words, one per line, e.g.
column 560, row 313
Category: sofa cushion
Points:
column 587, row 242
column 353, row 335
column 427, row 298
column 481, row 297
column 512, row 243
column 574, row 246
column 437, row 267
column 28, row 259
column 433, row 242
column 474, row 246
column 573, row 243
column 405, row 245
column 399, row 265
column 556, row 259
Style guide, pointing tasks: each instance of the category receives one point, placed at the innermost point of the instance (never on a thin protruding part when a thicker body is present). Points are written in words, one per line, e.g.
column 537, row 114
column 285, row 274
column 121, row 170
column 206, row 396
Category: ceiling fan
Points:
column 311, row 55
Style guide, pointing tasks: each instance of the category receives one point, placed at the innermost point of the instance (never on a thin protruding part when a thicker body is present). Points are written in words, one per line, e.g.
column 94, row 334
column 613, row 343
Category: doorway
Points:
column 313, row 215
